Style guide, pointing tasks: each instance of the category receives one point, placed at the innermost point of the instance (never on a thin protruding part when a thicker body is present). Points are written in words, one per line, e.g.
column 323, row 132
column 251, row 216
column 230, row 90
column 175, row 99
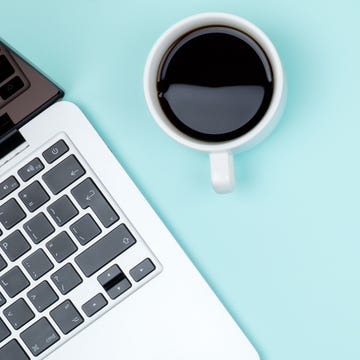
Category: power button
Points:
column 55, row 151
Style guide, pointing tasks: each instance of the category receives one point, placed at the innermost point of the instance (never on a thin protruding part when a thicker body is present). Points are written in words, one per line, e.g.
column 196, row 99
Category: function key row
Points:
column 51, row 154
column 55, row 151
column 34, row 195
column 8, row 186
column 32, row 168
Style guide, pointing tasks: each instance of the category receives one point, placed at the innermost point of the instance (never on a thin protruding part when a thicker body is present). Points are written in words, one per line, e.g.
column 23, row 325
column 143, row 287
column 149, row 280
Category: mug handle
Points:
column 222, row 171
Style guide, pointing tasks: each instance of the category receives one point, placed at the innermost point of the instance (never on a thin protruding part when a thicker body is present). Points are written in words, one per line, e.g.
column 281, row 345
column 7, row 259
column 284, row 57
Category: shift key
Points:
column 105, row 250
column 88, row 195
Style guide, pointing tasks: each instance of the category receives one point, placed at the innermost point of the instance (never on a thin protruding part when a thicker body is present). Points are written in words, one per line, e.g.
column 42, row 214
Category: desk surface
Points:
column 282, row 251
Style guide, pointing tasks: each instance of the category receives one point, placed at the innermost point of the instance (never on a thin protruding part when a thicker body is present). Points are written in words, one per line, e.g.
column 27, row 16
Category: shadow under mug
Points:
column 220, row 153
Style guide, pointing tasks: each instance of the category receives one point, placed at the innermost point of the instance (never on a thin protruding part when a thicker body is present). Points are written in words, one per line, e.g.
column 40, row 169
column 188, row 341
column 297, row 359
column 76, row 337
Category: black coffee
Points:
column 215, row 83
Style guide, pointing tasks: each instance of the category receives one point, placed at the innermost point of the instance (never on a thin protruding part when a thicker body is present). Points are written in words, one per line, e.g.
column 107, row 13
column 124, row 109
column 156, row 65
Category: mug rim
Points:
column 191, row 23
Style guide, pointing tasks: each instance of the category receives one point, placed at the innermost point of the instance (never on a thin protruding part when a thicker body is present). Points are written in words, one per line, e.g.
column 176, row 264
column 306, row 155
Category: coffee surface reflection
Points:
column 215, row 84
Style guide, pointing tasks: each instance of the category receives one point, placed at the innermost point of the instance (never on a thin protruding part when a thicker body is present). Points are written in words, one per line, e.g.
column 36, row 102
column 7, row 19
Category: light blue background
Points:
column 283, row 250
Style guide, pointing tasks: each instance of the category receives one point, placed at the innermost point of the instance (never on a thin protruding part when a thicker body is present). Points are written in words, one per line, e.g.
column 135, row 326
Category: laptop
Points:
column 87, row 268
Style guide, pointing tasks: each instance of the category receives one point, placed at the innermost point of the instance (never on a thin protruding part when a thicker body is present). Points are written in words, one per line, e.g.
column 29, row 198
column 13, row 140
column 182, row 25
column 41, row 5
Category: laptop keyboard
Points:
column 68, row 253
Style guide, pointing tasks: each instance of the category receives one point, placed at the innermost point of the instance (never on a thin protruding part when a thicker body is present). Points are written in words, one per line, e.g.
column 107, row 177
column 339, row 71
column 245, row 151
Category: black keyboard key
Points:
column 63, row 174
column 39, row 336
column 3, row 263
column 38, row 228
column 114, row 281
column 30, row 169
column 4, row 332
column 105, row 250
column 66, row 279
column 18, row 314
column 6, row 70
column 62, row 210
column 85, row 229
column 34, row 196
column 66, row 317
column 37, row 264
column 11, row 87
column 42, row 296
column 14, row 281
column 94, row 305
column 13, row 351
column 61, row 247
column 142, row 270
column 119, row 289
column 2, row 300
column 15, row 245
column 88, row 195
column 111, row 277
column 55, row 151
column 8, row 186
column 11, row 214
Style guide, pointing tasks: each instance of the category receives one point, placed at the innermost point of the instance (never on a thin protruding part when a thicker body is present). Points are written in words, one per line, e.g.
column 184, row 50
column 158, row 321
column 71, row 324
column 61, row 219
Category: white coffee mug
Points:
column 221, row 153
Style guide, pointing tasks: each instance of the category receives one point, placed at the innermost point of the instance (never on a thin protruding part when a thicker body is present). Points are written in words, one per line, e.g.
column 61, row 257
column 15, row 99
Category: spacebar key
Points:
column 105, row 250
column 88, row 195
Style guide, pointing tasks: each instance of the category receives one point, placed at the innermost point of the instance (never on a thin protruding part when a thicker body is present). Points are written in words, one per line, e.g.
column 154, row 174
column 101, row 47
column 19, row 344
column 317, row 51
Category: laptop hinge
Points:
column 10, row 145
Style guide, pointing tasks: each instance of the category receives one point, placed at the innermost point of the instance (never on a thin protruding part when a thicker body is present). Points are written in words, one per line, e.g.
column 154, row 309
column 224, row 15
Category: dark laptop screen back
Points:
column 24, row 91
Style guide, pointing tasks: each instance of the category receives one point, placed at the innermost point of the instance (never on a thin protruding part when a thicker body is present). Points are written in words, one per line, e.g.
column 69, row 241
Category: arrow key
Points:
column 119, row 288
column 141, row 270
column 94, row 305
